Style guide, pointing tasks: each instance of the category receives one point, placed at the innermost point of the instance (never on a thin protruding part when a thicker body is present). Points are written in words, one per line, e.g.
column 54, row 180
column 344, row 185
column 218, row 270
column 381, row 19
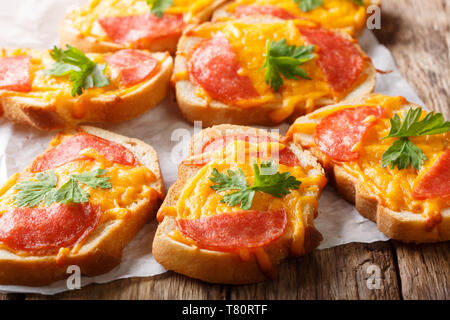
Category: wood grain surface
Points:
column 417, row 33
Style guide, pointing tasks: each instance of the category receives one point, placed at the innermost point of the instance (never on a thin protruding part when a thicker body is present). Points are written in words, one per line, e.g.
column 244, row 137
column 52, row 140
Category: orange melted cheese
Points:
column 85, row 18
column 392, row 187
column 130, row 186
column 197, row 199
column 332, row 14
column 248, row 41
column 57, row 90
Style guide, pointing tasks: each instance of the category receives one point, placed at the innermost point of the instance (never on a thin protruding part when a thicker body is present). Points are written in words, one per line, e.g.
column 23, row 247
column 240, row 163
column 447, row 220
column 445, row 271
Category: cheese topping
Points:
column 197, row 199
column 332, row 14
column 392, row 187
column 130, row 186
column 85, row 18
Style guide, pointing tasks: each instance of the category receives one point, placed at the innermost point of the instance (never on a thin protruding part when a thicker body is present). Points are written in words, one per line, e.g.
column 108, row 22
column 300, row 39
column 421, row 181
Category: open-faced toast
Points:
column 347, row 15
column 79, row 203
column 402, row 182
column 111, row 25
column 132, row 82
column 262, row 70
column 204, row 235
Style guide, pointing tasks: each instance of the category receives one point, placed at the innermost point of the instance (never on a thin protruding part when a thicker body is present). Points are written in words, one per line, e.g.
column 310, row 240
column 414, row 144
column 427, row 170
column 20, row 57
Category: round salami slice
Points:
column 249, row 10
column 129, row 29
column 223, row 141
column 214, row 66
column 51, row 228
column 15, row 73
column 285, row 156
column 134, row 65
column 69, row 150
column 234, row 231
column 339, row 59
column 436, row 182
column 339, row 132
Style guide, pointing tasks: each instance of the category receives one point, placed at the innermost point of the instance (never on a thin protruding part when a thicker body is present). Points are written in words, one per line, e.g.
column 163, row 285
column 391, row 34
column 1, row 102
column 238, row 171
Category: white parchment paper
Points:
column 34, row 23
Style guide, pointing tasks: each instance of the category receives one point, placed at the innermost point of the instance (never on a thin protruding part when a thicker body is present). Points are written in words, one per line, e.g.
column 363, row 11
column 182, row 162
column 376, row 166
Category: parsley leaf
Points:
column 93, row 179
column 82, row 71
column 278, row 184
column 159, row 6
column 432, row 123
column 33, row 192
column 71, row 192
column 282, row 59
column 403, row 152
column 308, row 5
column 358, row 2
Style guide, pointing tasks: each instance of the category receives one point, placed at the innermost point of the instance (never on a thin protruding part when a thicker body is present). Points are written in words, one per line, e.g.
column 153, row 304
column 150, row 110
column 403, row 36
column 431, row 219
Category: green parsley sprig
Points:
column 159, row 6
column 403, row 153
column 82, row 71
column 33, row 192
column 308, row 5
column 44, row 189
column 282, row 59
column 277, row 184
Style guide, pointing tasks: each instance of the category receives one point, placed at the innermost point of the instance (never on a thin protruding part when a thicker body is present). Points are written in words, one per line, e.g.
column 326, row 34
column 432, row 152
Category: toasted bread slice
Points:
column 336, row 17
column 401, row 222
column 184, row 256
column 94, row 39
column 195, row 104
column 101, row 250
column 50, row 106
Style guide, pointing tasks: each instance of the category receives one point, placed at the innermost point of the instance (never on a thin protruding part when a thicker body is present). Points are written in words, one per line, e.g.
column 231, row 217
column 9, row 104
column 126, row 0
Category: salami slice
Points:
column 15, row 73
column 134, row 65
column 286, row 156
column 69, row 150
column 249, row 10
column 214, row 66
column 234, row 231
column 339, row 59
column 339, row 132
column 51, row 228
column 436, row 182
column 129, row 29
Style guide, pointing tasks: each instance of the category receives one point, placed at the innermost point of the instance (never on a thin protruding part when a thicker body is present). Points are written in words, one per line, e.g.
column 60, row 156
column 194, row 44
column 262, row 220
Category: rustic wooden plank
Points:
column 335, row 273
column 162, row 287
column 12, row 296
column 418, row 34
column 424, row 270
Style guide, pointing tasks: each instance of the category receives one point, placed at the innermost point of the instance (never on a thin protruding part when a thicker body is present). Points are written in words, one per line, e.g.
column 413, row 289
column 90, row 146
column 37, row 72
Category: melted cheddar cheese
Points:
column 130, row 186
column 197, row 199
column 392, row 187
column 332, row 14
column 57, row 90
column 248, row 41
column 85, row 18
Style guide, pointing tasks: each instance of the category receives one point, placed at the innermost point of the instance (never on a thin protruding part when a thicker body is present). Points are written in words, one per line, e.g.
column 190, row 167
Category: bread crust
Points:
column 70, row 35
column 404, row 226
column 102, row 250
column 214, row 112
column 45, row 115
column 223, row 267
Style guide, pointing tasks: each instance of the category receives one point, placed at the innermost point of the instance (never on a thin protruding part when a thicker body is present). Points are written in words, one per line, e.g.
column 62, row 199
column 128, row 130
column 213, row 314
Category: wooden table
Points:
column 417, row 33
